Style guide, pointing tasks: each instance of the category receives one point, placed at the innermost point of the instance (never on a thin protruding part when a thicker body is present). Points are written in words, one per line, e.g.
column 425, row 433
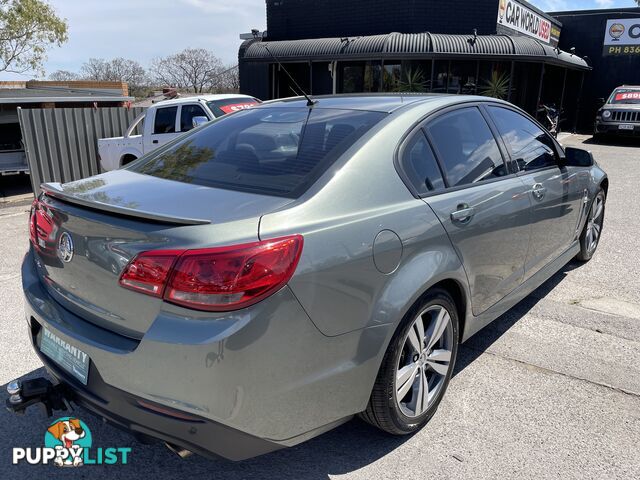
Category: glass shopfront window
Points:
column 440, row 76
column 356, row 77
column 463, row 77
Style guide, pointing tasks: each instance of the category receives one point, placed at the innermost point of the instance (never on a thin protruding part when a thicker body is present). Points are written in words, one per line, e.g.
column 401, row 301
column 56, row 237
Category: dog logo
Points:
column 65, row 247
column 69, row 437
column 68, row 443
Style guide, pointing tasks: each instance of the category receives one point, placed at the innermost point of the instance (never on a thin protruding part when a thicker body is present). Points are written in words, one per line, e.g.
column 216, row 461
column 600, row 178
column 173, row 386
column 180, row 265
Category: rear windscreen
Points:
column 275, row 151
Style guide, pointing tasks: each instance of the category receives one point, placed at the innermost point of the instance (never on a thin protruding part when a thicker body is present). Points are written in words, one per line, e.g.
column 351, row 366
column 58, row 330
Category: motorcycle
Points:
column 552, row 117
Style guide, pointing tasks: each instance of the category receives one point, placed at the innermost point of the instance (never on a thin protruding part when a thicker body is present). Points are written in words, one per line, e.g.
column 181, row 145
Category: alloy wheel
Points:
column 425, row 361
column 594, row 223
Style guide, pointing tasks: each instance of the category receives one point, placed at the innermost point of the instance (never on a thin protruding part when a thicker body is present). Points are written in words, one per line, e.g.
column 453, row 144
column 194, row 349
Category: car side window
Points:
column 466, row 148
column 186, row 116
column 529, row 146
column 165, row 121
column 420, row 165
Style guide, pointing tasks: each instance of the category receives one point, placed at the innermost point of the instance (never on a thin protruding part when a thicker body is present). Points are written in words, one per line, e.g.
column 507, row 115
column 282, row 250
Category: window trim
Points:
column 402, row 172
column 419, row 125
column 176, row 120
column 559, row 152
column 448, row 187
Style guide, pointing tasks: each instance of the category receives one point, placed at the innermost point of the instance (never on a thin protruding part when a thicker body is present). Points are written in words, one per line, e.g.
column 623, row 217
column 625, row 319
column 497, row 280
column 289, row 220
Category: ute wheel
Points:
column 592, row 230
column 417, row 366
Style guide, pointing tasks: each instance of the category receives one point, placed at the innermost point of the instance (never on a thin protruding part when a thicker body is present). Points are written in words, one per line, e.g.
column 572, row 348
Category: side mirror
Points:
column 577, row 157
column 197, row 121
column 600, row 102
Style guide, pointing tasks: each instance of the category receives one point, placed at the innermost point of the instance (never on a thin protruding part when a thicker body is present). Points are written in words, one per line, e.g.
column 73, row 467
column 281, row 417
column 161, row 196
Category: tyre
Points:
column 590, row 236
column 417, row 366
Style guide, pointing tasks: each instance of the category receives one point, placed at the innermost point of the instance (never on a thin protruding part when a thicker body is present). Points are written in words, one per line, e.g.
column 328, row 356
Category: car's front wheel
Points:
column 590, row 236
column 417, row 366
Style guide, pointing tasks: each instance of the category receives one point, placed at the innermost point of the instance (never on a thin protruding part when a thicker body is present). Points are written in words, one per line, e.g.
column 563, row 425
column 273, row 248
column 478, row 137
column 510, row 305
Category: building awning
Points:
column 411, row 45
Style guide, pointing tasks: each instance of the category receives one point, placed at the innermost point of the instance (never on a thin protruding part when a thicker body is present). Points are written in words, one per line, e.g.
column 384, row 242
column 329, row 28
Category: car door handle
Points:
column 538, row 191
column 463, row 214
column 155, row 141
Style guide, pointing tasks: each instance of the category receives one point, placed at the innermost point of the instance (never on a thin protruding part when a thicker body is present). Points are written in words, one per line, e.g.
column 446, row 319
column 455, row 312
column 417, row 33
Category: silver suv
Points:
column 271, row 274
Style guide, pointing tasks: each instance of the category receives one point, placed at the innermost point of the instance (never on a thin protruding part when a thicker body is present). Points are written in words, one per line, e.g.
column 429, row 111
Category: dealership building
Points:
column 502, row 48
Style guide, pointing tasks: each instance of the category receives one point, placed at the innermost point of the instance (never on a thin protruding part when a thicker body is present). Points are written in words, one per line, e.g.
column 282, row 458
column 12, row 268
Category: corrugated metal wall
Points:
column 62, row 143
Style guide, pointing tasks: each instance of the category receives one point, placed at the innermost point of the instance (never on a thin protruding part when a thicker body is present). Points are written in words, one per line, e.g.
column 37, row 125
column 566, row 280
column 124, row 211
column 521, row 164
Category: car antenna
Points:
column 310, row 102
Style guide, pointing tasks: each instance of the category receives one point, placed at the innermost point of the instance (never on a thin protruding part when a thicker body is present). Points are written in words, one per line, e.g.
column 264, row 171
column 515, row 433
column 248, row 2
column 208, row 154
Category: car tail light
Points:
column 216, row 279
column 148, row 272
column 32, row 221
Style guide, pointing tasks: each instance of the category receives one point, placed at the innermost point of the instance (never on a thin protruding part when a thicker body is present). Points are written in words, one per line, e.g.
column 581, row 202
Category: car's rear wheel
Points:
column 590, row 236
column 417, row 366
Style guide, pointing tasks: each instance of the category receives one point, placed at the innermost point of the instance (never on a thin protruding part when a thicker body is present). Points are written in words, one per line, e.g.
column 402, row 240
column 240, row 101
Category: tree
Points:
column 63, row 76
column 193, row 68
column 227, row 81
column 115, row 70
column 28, row 29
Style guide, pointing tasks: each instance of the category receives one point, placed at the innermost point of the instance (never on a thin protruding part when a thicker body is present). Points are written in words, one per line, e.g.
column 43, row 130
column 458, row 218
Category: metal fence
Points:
column 62, row 143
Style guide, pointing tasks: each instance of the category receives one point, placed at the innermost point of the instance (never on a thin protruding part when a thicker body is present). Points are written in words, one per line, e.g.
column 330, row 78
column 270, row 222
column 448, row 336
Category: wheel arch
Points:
column 128, row 157
column 457, row 292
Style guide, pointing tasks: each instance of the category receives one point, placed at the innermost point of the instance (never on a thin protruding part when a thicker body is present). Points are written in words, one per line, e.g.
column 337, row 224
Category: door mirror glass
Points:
column 600, row 102
column 197, row 121
column 577, row 157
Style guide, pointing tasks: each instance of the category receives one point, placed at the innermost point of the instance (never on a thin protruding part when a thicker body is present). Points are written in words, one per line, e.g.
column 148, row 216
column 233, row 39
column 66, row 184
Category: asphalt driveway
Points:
column 549, row 390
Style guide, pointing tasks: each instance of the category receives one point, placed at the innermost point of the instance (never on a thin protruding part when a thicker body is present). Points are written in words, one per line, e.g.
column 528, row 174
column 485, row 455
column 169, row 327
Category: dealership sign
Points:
column 519, row 18
column 622, row 37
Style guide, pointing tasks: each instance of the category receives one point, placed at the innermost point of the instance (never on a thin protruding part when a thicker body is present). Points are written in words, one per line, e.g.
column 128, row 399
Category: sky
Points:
column 145, row 29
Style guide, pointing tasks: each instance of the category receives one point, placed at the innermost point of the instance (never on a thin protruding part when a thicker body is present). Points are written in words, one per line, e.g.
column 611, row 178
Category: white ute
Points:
column 164, row 121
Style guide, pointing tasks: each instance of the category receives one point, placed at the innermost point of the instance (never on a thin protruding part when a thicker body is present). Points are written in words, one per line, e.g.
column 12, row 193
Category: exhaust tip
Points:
column 181, row 452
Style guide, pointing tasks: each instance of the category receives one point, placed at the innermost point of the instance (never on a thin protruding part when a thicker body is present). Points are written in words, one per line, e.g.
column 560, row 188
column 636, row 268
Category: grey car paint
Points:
column 304, row 359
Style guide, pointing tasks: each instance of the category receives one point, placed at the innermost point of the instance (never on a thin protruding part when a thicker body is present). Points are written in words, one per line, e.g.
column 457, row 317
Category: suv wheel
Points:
column 417, row 366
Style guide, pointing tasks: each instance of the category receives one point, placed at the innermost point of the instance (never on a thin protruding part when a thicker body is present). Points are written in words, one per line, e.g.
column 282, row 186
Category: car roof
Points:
column 382, row 102
column 205, row 97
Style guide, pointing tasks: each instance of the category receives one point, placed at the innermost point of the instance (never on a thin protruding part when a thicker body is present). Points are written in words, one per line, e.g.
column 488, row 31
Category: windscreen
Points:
column 277, row 151
column 625, row 95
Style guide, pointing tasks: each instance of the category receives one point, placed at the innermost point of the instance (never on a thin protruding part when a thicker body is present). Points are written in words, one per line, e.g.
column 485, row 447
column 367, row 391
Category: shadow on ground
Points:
column 343, row 450
column 614, row 141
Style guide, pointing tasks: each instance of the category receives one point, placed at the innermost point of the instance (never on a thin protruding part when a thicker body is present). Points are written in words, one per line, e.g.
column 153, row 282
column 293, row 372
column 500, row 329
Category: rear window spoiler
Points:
column 55, row 190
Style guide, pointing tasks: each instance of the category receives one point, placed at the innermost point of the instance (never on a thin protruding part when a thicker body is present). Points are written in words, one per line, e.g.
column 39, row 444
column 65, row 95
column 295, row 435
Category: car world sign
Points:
column 622, row 37
column 519, row 18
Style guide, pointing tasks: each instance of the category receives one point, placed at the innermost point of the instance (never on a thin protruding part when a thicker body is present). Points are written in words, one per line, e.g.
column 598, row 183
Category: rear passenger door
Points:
column 556, row 192
column 458, row 168
column 163, row 129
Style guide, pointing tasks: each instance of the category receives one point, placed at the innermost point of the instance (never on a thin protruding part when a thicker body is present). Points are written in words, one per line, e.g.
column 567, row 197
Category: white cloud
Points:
column 604, row 3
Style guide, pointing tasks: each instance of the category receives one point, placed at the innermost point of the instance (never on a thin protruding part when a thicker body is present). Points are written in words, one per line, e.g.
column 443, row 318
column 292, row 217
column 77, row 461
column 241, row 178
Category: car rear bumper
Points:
column 237, row 386
column 150, row 421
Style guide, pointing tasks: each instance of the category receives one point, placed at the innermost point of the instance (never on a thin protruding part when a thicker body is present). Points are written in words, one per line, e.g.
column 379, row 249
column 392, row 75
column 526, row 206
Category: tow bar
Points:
column 38, row 391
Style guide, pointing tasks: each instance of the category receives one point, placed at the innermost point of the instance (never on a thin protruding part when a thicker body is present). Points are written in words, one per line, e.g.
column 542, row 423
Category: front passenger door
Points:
column 484, row 207
column 555, row 192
